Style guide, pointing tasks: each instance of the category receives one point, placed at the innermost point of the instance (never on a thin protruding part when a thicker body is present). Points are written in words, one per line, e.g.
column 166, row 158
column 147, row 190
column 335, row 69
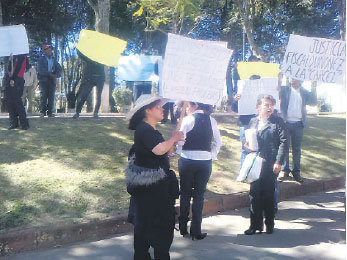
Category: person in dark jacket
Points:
column 93, row 74
column 272, row 143
column 14, row 91
column 150, row 182
column 294, row 99
column 48, row 70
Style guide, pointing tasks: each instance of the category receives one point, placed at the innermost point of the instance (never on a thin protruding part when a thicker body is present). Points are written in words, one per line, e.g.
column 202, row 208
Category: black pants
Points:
column 262, row 201
column 15, row 107
column 160, row 240
column 86, row 87
column 47, row 94
column 169, row 107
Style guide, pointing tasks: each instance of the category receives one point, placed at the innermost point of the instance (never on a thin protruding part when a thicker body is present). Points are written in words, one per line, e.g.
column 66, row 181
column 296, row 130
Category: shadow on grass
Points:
column 91, row 153
column 85, row 145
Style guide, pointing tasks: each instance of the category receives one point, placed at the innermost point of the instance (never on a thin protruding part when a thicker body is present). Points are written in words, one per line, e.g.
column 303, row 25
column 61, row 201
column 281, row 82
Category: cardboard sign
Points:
column 100, row 47
column 251, row 89
column 262, row 69
column 13, row 40
column 194, row 70
column 315, row 59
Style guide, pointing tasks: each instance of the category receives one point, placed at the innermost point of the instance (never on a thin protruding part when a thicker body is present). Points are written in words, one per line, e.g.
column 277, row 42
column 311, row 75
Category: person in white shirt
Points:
column 30, row 84
column 201, row 146
column 294, row 99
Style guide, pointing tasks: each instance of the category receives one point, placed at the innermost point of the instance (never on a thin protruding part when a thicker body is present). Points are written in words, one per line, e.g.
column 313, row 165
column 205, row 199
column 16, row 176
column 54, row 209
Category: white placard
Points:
column 315, row 59
column 13, row 40
column 251, row 89
column 194, row 70
column 137, row 67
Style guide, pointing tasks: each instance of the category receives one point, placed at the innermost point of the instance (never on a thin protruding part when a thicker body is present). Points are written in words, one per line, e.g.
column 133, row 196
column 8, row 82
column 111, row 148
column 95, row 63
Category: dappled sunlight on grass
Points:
column 73, row 170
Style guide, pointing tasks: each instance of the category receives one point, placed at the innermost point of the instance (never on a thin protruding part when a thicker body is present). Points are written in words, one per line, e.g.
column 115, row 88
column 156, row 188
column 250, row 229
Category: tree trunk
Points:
column 1, row 22
column 102, row 24
column 341, row 7
column 247, row 24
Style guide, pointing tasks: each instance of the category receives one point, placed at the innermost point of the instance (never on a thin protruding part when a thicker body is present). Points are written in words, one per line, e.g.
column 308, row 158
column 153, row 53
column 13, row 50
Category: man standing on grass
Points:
column 30, row 83
column 48, row 71
column 294, row 99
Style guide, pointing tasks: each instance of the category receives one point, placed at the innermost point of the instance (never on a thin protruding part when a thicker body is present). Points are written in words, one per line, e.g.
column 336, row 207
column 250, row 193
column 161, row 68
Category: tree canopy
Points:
column 258, row 28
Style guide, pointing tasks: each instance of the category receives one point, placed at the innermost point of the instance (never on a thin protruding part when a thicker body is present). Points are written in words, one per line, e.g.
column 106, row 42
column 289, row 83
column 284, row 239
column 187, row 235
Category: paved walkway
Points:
column 307, row 227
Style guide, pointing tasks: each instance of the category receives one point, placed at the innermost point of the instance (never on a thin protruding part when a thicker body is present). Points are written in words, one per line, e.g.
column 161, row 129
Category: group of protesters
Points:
column 154, row 187
column 21, row 79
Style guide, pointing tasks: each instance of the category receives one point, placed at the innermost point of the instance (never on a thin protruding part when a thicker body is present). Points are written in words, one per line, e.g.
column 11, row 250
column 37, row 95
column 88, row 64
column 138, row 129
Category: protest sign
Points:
column 262, row 69
column 100, row 47
column 251, row 89
column 13, row 40
column 315, row 59
column 194, row 70
column 137, row 67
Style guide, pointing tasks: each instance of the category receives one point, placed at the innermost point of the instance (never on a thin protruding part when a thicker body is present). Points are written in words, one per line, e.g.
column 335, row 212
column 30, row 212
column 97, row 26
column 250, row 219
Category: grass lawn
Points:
column 70, row 171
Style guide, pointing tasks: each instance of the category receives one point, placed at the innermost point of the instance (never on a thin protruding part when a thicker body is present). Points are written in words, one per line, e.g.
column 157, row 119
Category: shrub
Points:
column 122, row 96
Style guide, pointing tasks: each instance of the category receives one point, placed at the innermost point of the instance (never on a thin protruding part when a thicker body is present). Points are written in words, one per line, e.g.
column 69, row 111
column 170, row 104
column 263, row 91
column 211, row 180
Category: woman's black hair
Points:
column 208, row 109
column 140, row 115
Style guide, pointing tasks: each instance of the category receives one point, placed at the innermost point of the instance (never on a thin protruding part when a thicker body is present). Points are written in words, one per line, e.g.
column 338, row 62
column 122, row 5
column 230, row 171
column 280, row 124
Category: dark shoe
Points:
column 198, row 237
column 76, row 115
column 51, row 115
column 269, row 229
column 12, row 127
column 182, row 225
column 95, row 115
column 298, row 178
column 42, row 115
column 25, row 127
column 251, row 231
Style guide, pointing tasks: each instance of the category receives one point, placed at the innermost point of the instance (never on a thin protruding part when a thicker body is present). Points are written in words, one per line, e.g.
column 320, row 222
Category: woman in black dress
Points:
column 153, row 186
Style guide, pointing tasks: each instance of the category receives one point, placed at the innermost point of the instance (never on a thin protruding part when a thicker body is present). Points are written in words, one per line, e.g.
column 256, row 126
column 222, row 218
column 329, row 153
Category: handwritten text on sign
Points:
column 251, row 89
column 315, row 59
column 194, row 70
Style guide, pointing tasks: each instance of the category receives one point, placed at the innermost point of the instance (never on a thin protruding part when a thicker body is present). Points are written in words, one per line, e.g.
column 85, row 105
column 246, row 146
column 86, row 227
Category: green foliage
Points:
column 168, row 15
column 323, row 105
column 122, row 96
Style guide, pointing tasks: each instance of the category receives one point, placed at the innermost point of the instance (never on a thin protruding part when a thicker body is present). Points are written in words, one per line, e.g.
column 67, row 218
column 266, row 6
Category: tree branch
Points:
column 93, row 5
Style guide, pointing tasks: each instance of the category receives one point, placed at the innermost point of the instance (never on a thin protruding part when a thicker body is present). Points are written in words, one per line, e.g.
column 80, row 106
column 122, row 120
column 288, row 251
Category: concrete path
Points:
column 307, row 227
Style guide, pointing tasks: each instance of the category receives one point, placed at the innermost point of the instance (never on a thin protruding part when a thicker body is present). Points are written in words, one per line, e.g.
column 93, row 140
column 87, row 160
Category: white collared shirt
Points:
column 186, row 126
column 294, row 113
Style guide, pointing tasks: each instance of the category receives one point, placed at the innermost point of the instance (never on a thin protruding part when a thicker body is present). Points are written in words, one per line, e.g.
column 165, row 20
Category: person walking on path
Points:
column 271, row 137
column 150, row 182
column 48, row 71
column 30, row 83
column 294, row 99
column 200, row 147
column 93, row 74
column 14, row 90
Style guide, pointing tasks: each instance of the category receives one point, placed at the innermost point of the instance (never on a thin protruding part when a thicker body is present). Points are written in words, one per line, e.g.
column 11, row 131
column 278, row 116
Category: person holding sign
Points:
column 150, row 182
column 14, row 92
column 93, row 74
column 271, row 140
column 201, row 146
column 294, row 99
